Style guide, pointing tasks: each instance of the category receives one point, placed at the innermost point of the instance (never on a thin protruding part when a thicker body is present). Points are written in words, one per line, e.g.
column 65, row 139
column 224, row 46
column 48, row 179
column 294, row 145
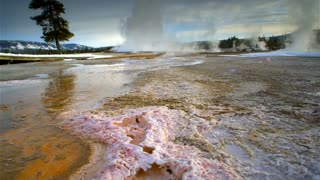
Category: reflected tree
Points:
column 59, row 93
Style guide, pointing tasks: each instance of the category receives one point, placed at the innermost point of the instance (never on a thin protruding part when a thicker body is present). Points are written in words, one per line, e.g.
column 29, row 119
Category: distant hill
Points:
column 30, row 46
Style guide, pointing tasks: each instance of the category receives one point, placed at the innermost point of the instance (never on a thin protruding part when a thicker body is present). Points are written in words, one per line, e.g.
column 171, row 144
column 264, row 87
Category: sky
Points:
column 99, row 23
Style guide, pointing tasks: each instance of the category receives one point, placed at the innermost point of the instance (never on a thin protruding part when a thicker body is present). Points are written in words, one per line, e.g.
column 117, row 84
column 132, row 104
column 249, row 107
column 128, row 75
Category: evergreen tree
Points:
column 54, row 27
column 231, row 42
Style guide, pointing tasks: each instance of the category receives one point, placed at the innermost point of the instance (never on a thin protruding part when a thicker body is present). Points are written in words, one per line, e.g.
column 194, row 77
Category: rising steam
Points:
column 144, row 29
column 304, row 15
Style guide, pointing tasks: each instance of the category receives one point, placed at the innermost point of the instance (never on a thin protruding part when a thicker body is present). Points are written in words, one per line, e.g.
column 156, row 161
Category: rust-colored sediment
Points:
column 45, row 152
column 54, row 161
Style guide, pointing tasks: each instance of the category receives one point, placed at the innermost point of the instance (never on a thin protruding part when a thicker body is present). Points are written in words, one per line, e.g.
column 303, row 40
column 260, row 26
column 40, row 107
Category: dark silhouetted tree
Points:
column 232, row 42
column 54, row 27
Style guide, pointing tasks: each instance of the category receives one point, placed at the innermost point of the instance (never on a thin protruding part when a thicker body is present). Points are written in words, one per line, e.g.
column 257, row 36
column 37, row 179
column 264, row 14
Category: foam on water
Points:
column 26, row 82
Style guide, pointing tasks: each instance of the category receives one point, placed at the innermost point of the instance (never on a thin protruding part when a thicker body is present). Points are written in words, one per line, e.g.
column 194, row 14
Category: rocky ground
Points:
column 261, row 114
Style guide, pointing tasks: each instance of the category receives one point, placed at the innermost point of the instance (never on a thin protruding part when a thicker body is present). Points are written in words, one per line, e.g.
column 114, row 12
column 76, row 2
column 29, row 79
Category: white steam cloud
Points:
column 305, row 16
column 144, row 29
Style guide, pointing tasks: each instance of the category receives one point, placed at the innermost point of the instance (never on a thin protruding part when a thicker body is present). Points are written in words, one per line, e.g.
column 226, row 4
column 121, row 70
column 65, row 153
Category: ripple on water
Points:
column 26, row 82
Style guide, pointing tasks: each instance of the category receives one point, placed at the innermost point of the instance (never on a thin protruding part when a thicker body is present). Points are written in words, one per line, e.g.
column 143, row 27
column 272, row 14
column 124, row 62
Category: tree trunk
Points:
column 58, row 45
column 56, row 39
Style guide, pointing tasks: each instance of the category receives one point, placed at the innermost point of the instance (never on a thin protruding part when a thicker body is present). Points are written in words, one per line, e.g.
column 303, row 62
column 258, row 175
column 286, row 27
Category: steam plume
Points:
column 144, row 29
column 305, row 15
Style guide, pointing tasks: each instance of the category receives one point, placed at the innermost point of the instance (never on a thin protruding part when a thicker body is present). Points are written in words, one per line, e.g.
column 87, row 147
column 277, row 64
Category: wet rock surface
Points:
column 264, row 115
column 145, row 143
column 246, row 118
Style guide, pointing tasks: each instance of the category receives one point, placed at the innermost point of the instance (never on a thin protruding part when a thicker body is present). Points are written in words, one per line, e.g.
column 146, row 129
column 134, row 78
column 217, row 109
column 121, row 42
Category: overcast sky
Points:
column 102, row 22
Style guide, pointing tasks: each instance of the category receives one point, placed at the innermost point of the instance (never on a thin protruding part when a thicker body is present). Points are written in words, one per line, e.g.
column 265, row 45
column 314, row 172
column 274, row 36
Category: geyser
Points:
column 144, row 29
column 305, row 15
column 162, row 25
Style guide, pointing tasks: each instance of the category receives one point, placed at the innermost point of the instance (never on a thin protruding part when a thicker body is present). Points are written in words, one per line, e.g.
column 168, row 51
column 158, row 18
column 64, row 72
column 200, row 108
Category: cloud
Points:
column 96, row 22
column 248, row 30
column 97, row 32
column 209, row 19
column 155, row 22
column 182, row 20
column 100, row 40
column 195, row 35
column 222, row 12
column 305, row 15
column 240, row 30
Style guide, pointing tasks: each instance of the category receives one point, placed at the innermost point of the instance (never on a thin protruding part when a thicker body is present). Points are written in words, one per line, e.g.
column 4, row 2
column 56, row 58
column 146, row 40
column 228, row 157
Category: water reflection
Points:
column 58, row 94
column 36, row 148
column 32, row 145
column 95, row 82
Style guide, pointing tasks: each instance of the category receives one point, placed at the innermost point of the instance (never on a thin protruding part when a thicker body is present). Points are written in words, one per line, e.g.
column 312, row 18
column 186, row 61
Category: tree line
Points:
column 271, row 43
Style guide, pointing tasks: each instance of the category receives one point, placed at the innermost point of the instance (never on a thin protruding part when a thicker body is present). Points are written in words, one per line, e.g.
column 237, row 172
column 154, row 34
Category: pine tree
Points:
column 54, row 27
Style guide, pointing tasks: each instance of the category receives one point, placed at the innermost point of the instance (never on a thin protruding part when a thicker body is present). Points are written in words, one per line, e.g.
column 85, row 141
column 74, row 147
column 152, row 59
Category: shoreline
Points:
column 24, row 58
column 88, row 170
column 7, row 58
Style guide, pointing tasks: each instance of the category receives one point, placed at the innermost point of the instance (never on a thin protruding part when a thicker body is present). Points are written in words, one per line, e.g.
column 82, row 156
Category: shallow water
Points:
column 32, row 145
column 266, row 111
column 33, row 95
